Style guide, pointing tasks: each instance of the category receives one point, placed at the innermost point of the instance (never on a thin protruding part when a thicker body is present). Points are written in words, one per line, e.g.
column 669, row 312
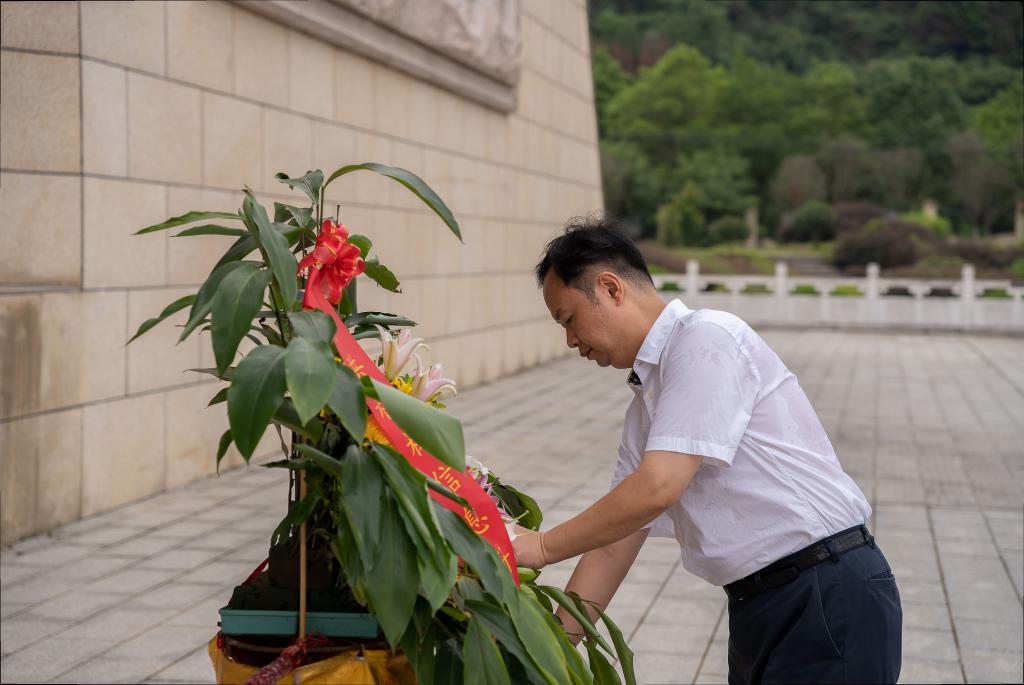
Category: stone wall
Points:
column 116, row 115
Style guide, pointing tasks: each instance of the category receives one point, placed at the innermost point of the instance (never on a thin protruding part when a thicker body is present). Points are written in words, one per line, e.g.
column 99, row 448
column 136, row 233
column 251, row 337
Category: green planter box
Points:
column 332, row 624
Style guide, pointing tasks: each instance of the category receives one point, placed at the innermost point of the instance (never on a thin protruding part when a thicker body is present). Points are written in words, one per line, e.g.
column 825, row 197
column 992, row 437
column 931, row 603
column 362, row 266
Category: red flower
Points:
column 332, row 264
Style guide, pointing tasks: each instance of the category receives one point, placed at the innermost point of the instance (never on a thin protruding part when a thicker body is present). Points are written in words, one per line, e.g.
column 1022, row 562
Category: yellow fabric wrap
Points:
column 370, row 667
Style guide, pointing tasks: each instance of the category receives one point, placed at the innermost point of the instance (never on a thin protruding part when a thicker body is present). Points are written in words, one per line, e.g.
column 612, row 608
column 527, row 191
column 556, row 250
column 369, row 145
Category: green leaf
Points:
column 363, row 489
column 603, row 672
column 448, row 666
column 187, row 219
column 442, row 490
column 303, row 216
column 309, row 369
column 411, row 181
column 172, row 308
column 348, row 401
column 499, row 624
column 536, row 635
column 437, row 432
column 362, row 242
column 296, row 516
column 481, row 656
column 240, row 248
column 382, row 275
column 221, row 396
column 255, row 393
column 309, row 183
column 312, row 324
column 286, row 415
column 225, row 375
column 236, row 302
column 477, row 552
column 204, row 298
column 210, row 229
column 622, row 651
column 379, row 318
column 222, row 447
column 581, row 616
column 391, row 583
column 325, row 462
column 523, row 507
column 282, row 261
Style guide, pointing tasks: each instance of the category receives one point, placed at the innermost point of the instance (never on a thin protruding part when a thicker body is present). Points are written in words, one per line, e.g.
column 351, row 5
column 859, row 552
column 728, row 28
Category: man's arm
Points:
column 658, row 482
column 598, row 575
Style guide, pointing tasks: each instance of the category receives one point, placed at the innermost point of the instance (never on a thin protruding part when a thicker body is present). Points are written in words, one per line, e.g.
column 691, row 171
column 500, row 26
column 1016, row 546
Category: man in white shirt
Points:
column 721, row 450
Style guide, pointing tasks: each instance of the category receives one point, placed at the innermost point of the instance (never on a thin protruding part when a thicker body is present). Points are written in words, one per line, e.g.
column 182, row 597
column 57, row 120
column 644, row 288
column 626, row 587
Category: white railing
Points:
column 872, row 301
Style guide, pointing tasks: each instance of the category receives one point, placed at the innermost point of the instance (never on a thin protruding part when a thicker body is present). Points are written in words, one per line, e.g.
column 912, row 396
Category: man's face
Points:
column 589, row 324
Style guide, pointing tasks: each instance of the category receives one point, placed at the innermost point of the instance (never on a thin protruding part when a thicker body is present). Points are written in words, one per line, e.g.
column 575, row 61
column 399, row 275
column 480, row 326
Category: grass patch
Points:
column 996, row 293
column 846, row 291
column 670, row 286
column 805, row 289
column 756, row 289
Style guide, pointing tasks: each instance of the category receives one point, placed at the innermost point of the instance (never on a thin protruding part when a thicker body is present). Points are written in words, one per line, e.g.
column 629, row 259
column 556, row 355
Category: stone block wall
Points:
column 116, row 115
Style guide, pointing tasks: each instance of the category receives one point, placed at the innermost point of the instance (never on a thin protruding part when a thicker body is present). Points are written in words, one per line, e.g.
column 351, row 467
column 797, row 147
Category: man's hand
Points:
column 529, row 548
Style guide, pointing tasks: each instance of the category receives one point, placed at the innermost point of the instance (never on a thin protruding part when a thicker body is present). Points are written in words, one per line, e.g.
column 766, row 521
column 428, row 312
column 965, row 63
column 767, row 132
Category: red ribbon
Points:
column 482, row 515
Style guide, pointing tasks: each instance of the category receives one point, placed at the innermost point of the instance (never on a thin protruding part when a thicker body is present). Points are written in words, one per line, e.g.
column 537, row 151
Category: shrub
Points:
column 890, row 243
column 1017, row 268
column 804, row 289
column 852, row 216
column 680, row 221
column 670, row 286
column 729, row 229
column 812, row 222
column 984, row 255
column 938, row 224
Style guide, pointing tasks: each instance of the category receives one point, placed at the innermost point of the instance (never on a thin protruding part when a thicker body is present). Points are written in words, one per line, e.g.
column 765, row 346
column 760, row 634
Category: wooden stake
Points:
column 302, row 561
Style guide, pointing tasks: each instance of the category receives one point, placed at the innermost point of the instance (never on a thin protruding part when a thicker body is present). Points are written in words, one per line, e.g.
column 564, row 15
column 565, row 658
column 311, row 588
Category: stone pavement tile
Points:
column 958, row 523
column 117, row 624
column 717, row 658
column 90, row 568
column 143, row 546
column 7, row 608
column 914, row 671
column 675, row 639
column 18, row 632
column 226, row 514
column 46, row 659
column 1015, row 565
column 711, row 679
column 11, row 573
column 223, row 538
column 173, row 595
column 57, row 553
column 220, row 573
column 104, row 535
column 991, row 635
column 978, row 547
column 180, row 559
column 915, row 590
column 194, row 667
column 130, row 580
column 73, row 607
column 685, row 611
column 104, row 669
column 655, row 668
column 204, row 613
column 650, row 572
column 188, row 528
column 992, row 667
column 163, row 642
column 903, row 517
column 635, row 594
column 149, row 518
column 38, row 588
column 919, row 643
column 930, row 615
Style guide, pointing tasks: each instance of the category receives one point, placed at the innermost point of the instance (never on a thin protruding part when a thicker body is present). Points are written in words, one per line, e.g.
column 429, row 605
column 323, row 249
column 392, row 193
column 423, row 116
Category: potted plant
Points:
column 384, row 512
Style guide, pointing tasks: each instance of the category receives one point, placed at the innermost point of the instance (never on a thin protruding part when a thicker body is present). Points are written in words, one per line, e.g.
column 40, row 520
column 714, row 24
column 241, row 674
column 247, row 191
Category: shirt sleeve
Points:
column 708, row 387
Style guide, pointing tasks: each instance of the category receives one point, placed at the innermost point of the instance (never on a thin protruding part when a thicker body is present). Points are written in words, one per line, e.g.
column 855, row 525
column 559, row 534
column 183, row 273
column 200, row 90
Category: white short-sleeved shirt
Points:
column 770, row 482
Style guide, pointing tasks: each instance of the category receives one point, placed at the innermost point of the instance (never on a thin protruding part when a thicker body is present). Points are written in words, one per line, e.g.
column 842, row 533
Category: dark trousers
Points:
column 837, row 622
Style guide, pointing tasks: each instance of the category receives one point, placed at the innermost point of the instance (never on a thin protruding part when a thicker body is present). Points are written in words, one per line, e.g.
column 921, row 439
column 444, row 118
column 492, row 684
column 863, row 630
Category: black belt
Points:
column 788, row 568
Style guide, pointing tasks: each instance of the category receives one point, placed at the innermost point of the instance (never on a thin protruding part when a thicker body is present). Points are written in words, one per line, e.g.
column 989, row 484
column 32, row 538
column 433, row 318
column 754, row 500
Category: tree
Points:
column 720, row 179
column 984, row 187
column 680, row 221
column 799, row 181
column 609, row 80
column 632, row 190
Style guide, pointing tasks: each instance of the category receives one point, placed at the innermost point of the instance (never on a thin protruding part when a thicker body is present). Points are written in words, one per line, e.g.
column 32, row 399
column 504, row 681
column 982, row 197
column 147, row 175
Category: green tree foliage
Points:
column 609, row 79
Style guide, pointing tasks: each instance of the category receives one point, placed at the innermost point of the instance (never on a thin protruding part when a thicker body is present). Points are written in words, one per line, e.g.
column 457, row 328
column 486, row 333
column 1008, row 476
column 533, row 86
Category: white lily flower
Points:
column 426, row 386
column 397, row 351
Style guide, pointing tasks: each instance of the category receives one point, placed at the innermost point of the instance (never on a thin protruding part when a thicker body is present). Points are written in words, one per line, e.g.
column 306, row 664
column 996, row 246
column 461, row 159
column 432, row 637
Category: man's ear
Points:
column 611, row 284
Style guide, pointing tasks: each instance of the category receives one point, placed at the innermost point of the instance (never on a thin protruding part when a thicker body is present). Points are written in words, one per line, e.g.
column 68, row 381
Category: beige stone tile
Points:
column 190, row 259
column 334, row 146
column 199, row 49
column 17, row 479
column 260, row 57
column 84, row 336
column 423, row 121
column 354, row 85
column 496, row 135
column 287, row 144
column 39, row 127
column 370, row 187
column 123, row 32
column 193, row 433
column 114, row 257
column 410, row 157
column 42, row 236
column 310, row 75
column 122, row 452
column 104, row 119
column 451, row 114
column 392, row 102
column 20, row 368
column 57, row 442
column 157, row 360
column 163, row 130
column 232, row 142
column 50, row 26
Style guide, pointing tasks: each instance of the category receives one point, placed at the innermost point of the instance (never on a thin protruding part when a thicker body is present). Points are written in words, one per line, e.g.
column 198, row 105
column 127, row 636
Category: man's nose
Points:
column 570, row 339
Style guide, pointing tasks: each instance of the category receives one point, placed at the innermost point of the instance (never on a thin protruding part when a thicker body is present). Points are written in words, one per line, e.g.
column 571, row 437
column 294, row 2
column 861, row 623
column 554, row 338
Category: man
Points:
column 721, row 450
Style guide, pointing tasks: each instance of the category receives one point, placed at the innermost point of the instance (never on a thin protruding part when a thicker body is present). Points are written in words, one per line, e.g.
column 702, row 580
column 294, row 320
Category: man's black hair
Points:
column 590, row 243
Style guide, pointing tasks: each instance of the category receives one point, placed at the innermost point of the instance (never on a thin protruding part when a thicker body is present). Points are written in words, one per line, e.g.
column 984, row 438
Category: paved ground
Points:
column 931, row 427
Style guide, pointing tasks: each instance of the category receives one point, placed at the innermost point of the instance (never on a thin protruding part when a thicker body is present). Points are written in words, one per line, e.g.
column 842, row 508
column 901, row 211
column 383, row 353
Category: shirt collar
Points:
column 650, row 351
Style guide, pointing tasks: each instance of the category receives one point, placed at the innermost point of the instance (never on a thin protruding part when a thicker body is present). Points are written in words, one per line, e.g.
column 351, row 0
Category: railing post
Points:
column 872, row 292
column 967, row 295
column 781, row 290
column 692, row 284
